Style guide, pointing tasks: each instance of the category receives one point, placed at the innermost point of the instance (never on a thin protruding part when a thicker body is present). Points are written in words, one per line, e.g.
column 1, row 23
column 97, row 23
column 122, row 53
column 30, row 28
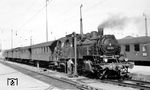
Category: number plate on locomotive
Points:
column 110, row 48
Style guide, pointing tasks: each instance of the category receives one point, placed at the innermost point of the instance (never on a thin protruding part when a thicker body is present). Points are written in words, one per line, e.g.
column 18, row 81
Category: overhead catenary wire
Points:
column 86, row 10
column 95, row 5
column 32, row 17
column 40, row 10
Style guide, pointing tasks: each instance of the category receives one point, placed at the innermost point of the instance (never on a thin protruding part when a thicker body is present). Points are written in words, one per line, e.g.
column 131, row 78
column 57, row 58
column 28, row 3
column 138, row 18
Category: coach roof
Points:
column 49, row 43
column 129, row 40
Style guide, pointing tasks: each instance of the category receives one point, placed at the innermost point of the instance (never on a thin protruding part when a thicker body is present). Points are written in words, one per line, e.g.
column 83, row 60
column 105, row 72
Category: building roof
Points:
column 142, row 39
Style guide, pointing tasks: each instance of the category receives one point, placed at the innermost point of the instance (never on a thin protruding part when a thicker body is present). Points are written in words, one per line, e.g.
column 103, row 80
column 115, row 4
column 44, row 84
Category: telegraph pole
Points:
column 146, row 32
column 46, row 23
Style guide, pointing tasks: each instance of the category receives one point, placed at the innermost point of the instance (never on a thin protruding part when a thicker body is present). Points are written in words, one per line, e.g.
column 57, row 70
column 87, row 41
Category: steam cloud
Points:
column 115, row 22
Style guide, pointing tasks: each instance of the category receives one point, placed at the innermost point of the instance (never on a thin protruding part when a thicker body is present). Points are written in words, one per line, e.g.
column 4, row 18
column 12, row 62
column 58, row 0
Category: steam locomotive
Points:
column 97, row 55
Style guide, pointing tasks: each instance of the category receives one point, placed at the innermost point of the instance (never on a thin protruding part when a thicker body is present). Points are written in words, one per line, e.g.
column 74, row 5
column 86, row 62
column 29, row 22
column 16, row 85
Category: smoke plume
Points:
column 115, row 22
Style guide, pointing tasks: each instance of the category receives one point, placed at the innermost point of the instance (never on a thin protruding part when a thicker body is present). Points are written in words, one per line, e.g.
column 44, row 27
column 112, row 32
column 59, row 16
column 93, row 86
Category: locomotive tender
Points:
column 97, row 54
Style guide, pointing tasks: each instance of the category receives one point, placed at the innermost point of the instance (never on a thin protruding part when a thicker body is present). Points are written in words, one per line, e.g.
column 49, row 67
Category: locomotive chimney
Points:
column 100, row 31
column 94, row 34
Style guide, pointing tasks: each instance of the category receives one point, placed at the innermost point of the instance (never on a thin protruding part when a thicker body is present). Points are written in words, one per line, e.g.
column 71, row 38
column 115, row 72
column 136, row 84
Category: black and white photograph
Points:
column 74, row 44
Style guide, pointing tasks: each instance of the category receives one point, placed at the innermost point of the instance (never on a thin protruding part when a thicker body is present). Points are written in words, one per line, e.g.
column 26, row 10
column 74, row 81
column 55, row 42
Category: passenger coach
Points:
column 136, row 49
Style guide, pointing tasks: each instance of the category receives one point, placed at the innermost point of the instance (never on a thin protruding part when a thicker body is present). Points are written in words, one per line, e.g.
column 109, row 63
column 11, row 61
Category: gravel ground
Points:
column 141, row 73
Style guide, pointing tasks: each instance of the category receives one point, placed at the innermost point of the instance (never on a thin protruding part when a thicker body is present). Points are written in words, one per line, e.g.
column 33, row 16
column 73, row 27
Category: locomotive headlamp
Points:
column 126, row 59
column 105, row 60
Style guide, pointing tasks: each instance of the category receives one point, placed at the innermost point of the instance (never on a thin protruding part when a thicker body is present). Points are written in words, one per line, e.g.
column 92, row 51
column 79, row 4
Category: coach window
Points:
column 47, row 49
column 41, row 49
column 35, row 51
column 144, row 48
column 137, row 47
column 44, row 49
column 127, row 48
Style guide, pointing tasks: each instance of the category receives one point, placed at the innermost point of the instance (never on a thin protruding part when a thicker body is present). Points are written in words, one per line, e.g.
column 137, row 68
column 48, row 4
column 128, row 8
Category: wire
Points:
column 95, row 5
column 88, row 9
column 30, row 19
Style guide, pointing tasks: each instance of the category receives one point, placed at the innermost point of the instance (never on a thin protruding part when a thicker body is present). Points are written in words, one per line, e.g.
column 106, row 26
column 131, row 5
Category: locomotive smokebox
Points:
column 100, row 31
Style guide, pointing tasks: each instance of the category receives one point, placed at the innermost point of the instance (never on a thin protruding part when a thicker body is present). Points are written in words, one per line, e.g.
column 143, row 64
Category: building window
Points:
column 127, row 48
column 137, row 47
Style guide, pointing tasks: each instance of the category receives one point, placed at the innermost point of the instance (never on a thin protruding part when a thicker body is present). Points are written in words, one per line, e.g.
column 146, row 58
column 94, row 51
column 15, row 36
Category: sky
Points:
column 27, row 19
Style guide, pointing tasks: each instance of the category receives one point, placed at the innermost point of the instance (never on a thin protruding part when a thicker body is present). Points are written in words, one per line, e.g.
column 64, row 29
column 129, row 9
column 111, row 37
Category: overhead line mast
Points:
column 46, row 22
column 81, row 24
column 146, row 32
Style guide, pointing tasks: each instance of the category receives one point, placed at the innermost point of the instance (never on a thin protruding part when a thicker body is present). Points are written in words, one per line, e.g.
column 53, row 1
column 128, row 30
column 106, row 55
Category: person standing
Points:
column 70, row 66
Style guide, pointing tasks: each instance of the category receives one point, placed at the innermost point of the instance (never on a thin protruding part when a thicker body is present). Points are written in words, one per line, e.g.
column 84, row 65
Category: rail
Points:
column 142, row 85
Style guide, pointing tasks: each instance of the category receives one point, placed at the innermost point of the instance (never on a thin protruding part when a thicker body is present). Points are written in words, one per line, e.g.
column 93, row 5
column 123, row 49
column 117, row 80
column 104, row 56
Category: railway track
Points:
column 142, row 85
column 40, row 75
